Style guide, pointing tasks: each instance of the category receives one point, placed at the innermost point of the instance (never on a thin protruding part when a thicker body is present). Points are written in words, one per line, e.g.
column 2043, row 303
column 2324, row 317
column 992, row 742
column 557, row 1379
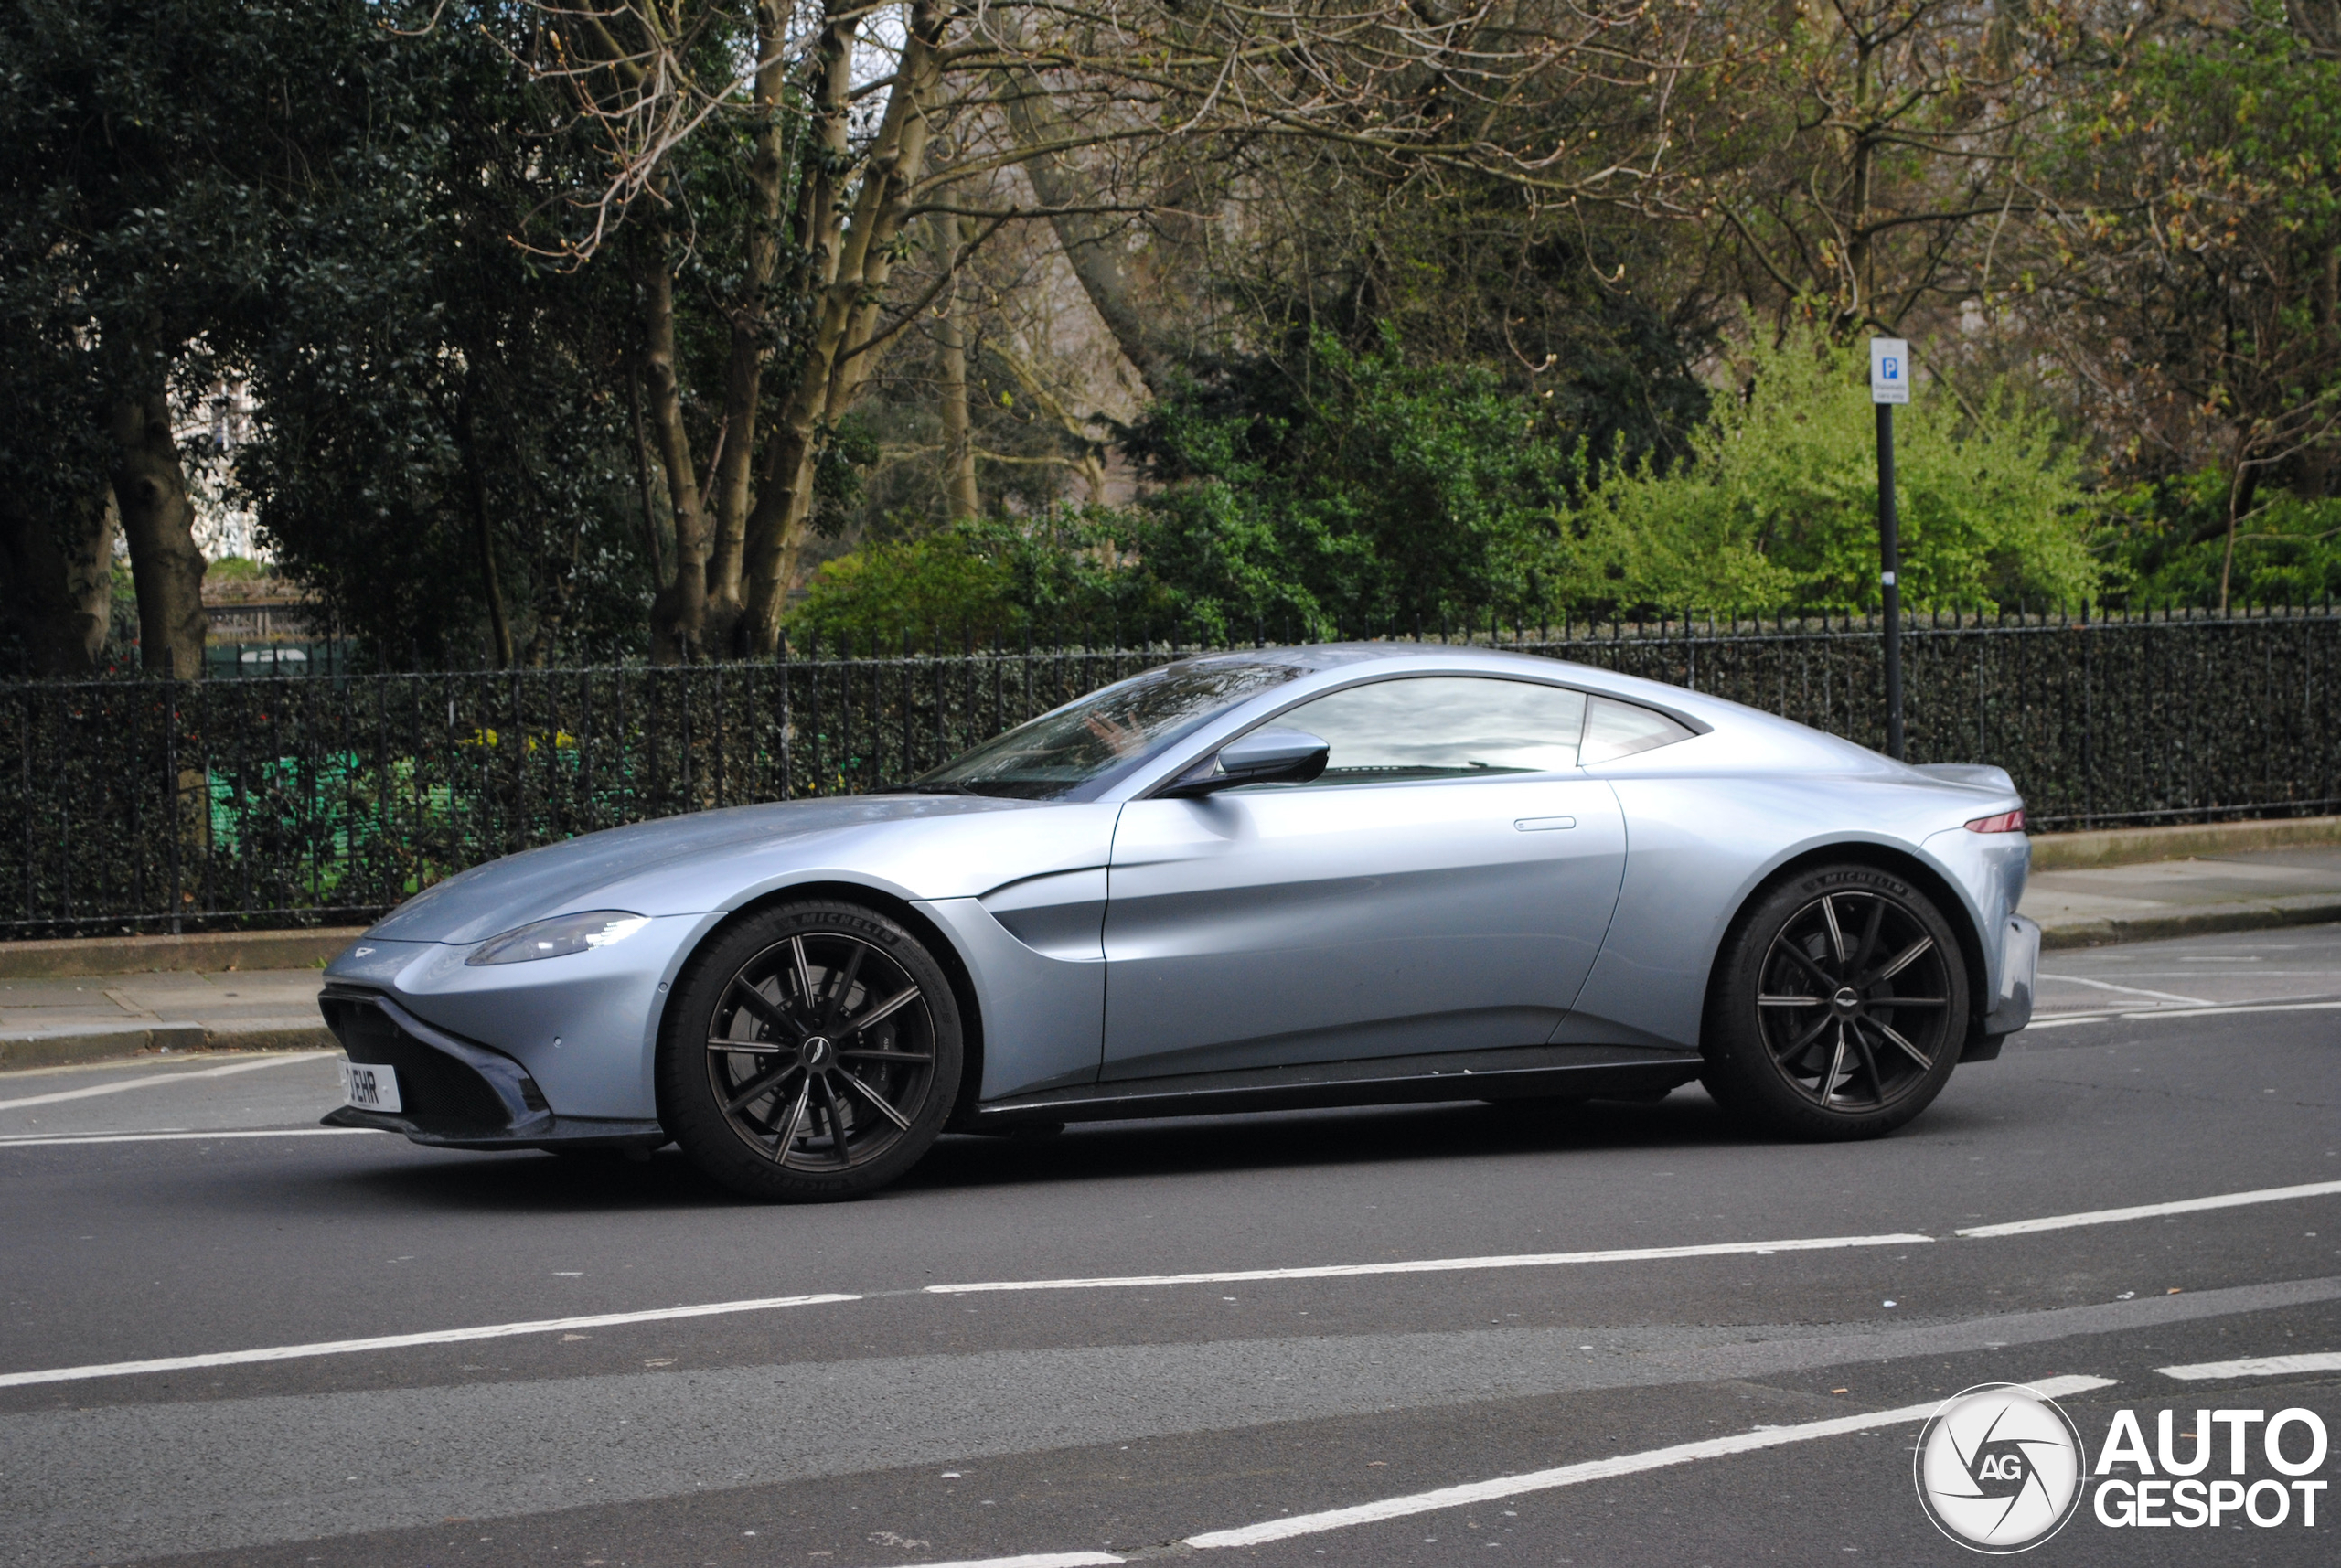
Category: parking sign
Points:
column 1890, row 370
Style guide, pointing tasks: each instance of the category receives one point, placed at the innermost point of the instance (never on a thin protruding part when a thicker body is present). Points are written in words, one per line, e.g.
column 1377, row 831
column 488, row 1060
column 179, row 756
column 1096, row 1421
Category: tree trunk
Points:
column 1092, row 243
column 500, row 628
column 951, row 348
column 2242, row 485
column 58, row 588
column 2317, row 460
column 678, row 614
column 653, row 551
column 840, row 353
column 751, row 334
column 158, row 522
column 1860, row 240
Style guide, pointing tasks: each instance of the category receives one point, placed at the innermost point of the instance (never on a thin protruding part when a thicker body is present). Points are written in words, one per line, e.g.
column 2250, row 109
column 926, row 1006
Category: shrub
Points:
column 1778, row 508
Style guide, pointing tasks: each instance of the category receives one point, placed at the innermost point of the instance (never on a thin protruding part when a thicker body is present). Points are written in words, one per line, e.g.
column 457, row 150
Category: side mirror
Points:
column 1264, row 756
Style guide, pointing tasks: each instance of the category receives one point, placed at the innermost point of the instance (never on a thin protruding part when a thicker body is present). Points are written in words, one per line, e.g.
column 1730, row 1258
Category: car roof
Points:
column 1702, row 711
column 1316, row 658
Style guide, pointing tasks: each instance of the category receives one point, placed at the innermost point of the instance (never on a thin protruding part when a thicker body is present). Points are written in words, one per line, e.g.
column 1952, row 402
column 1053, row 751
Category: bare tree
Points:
column 1104, row 110
column 2186, row 270
column 1860, row 165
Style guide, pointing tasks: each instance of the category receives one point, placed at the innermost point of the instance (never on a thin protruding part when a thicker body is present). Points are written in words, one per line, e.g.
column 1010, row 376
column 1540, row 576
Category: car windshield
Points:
column 1089, row 742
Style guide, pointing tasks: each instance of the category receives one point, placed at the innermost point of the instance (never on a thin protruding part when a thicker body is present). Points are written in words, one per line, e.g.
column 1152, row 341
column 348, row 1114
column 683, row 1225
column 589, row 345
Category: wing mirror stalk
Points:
column 1264, row 756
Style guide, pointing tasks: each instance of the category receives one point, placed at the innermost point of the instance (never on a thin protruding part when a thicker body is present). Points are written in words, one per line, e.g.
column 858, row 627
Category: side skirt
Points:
column 1528, row 1072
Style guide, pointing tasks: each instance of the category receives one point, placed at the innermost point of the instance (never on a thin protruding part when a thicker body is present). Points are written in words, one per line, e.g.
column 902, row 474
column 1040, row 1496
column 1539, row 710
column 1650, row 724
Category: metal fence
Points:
column 161, row 806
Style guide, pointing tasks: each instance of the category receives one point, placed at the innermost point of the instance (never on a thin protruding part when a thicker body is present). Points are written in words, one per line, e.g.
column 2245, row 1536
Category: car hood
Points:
column 914, row 845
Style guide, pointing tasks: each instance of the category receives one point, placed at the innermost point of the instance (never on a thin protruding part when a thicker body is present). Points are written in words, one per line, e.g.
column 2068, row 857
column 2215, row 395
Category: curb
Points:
column 2141, row 846
column 2150, row 928
column 65, row 1047
column 208, row 952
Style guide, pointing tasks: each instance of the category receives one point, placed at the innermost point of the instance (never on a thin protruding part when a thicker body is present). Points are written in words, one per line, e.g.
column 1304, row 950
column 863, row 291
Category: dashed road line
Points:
column 2151, row 1211
column 2255, row 1367
column 1439, row 1265
column 1503, row 1486
column 401, row 1341
column 1328, row 1271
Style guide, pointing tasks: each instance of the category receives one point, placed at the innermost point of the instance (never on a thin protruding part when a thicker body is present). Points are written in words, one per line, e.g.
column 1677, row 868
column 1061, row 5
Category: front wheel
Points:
column 812, row 1053
column 1838, row 1006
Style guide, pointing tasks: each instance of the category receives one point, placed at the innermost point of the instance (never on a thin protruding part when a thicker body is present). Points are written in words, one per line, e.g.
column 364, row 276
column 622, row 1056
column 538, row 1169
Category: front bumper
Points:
column 456, row 1093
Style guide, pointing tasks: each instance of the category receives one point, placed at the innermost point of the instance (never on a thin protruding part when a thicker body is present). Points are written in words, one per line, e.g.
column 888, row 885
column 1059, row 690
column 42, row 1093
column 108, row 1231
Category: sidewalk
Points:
column 57, row 1019
column 46, row 1021
column 2241, row 891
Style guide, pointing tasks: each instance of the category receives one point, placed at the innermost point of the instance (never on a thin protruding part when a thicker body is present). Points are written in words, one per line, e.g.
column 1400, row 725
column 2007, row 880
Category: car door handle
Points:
column 1544, row 824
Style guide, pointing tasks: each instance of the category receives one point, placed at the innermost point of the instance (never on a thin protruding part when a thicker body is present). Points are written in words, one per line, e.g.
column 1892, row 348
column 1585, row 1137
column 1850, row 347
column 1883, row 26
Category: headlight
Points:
column 559, row 936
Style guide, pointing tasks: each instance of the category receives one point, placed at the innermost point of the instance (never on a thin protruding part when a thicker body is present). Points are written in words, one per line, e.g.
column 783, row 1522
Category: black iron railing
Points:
column 157, row 806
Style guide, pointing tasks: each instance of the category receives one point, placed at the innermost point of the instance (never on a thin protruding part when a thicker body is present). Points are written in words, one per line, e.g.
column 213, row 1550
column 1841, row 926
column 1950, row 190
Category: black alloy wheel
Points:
column 1840, row 1006
column 813, row 1052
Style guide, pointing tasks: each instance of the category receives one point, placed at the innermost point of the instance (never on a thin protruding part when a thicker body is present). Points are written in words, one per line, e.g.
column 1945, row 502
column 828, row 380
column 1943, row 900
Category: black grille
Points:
column 434, row 1089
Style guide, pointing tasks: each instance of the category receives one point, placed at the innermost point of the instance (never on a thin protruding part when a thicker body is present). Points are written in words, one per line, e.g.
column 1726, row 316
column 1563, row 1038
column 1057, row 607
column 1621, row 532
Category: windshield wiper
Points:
column 935, row 788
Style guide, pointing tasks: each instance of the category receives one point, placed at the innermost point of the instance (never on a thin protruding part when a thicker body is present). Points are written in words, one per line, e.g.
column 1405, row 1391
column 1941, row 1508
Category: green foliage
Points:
column 2200, row 172
column 291, row 191
column 420, row 377
column 841, row 470
column 2174, row 543
column 142, row 160
column 1353, row 490
column 1057, row 577
column 1778, row 508
column 1381, row 497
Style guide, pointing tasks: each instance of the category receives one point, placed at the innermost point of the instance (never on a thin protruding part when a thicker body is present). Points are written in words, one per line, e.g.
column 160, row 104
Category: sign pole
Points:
column 1890, row 383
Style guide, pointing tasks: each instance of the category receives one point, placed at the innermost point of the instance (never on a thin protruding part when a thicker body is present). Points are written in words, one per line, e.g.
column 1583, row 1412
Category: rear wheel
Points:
column 1838, row 1006
column 812, row 1053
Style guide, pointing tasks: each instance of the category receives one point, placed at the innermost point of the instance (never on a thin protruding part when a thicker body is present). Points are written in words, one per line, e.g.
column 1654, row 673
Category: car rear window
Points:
column 1615, row 729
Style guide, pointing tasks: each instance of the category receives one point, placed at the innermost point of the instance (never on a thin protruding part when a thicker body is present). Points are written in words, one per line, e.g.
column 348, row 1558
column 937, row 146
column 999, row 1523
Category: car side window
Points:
column 1440, row 727
column 1616, row 728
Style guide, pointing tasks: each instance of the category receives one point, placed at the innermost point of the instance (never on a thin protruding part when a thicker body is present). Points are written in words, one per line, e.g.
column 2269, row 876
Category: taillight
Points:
column 2005, row 822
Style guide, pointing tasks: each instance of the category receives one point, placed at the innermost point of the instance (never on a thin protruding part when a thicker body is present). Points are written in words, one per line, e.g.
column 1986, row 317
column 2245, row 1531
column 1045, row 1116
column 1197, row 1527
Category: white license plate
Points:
column 369, row 1086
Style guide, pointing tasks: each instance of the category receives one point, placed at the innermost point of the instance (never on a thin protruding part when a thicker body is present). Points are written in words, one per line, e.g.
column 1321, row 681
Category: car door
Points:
column 1444, row 886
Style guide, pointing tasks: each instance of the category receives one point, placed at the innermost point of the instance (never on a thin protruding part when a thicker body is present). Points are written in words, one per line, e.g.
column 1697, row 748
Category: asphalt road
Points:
column 892, row 1423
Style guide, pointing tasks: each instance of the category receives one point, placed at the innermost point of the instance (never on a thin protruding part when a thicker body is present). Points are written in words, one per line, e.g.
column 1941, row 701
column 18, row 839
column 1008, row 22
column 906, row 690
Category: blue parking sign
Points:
column 1890, row 370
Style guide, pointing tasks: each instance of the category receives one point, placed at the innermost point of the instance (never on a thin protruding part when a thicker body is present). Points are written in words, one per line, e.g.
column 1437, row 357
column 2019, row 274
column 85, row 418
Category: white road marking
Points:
column 401, row 1341
column 2220, row 1011
column 2256, row 1367
column 2152, row 1210
column 1534, row 1481
column 43, row 1140
column 1440, row 1265
column 2130, row 990
column 2238, row 1008
column 1327, row 1270
column 1595, row 1471
column 272, row 1060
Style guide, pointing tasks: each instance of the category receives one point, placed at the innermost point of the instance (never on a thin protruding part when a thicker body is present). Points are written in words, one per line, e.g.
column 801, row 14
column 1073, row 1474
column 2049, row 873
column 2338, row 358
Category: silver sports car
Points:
column 1317, row 876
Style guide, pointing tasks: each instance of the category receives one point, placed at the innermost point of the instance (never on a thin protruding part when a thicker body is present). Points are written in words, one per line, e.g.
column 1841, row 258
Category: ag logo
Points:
column 2000, row 1469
